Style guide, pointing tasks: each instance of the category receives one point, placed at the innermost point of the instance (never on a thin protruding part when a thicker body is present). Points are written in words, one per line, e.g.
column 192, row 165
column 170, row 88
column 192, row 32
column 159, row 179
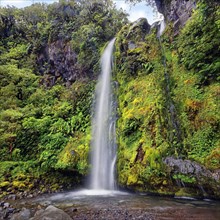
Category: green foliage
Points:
column 184, row 178
column 203, row 142
column 75, row 155
column 144, row 127
column 142, row 133
column 27, row 176
column 195, row 90
column 197, row 107
column 199, row 40
column 17, row 170
column 38, row 123
column 29, row 36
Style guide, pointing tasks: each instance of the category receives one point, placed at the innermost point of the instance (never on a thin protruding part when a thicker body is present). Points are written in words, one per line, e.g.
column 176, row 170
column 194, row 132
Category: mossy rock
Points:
column 4, row 184
column 132, row 179
column 55, row 187
column 30, row 186
column 187, row 192
column 19, row 185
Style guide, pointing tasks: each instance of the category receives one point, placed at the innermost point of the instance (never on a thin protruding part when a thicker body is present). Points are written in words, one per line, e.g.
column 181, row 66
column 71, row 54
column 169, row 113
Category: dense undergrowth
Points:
column 195, row 71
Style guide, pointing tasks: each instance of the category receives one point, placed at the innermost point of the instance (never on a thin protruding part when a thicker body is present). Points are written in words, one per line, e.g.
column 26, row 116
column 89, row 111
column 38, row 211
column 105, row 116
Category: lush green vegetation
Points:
column 151, row 96
column 142, row 135
column 49, row 62
column 45, row 107
column 195, row 64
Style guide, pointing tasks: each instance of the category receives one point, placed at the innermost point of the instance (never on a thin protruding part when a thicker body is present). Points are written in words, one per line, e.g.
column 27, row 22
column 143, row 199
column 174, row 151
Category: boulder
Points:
column 207, row 181
column 24, row 214
column 187, row 167
column 51, row 213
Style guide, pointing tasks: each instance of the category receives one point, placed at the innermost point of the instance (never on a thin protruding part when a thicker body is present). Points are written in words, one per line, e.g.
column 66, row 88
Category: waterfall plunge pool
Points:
column 104, row 204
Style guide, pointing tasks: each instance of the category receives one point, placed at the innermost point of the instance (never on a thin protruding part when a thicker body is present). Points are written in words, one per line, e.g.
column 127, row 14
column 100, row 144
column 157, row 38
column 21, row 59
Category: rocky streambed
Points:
column 87, row 204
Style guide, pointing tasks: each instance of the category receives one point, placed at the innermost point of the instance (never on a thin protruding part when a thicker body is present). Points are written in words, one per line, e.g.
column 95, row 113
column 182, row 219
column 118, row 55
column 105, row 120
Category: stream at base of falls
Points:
column 90, row 204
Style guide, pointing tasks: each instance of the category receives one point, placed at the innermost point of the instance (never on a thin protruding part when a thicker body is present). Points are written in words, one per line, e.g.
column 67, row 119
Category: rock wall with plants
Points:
column 168, row 127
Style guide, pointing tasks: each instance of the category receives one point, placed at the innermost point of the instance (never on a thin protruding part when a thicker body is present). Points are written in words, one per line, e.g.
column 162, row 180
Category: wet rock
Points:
column 39, row 212
column 205, row 181
column 216, row 175
column 5, row 213
column 51, row 213
column 187, row 167
column 141, row 27
column 58, row 60
column 30, row 196
column 131, row 45
column 74, row 209
column 6, row 205
column 177, row 11
column 11, row 210
column 24, row 214
column 12, row 197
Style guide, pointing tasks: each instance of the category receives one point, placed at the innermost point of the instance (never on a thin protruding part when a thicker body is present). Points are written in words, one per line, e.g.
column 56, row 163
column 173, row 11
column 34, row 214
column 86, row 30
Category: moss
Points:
column 197, row 108
column 3, row 194
column 198, row 53
column 213, row 160
column 30, row 186
column 185, row 178
column 132, row 179
column 143, row 139
column 186, row 192
column 75, row 154
column 55, row 187
column 19, row 185
column 4, row 184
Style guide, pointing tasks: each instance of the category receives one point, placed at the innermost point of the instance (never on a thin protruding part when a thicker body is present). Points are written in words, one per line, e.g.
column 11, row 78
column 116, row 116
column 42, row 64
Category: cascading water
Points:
column 174, row 127
column 162, row 24
column 103, row 155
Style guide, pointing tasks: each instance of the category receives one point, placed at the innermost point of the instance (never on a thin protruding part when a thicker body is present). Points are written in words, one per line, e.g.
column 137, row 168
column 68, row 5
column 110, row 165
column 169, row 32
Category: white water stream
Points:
column 103, row 154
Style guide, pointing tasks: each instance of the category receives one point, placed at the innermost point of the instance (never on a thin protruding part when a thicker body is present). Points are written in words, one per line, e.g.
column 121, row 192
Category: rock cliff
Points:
column 176, row 11
column 58, row 60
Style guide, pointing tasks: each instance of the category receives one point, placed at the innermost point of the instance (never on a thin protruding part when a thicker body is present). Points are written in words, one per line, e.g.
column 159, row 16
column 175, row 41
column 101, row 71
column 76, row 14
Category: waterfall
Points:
column 161, row 23
column 103, row 155
column 174, row 125
column 162, row 27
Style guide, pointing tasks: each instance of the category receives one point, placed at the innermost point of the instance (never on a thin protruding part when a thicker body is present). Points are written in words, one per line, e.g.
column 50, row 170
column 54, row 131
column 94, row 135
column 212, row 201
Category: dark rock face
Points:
column 186, row 167
column 176, row 11
column 58, row 60
column 139, row 27
column 204, row 177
